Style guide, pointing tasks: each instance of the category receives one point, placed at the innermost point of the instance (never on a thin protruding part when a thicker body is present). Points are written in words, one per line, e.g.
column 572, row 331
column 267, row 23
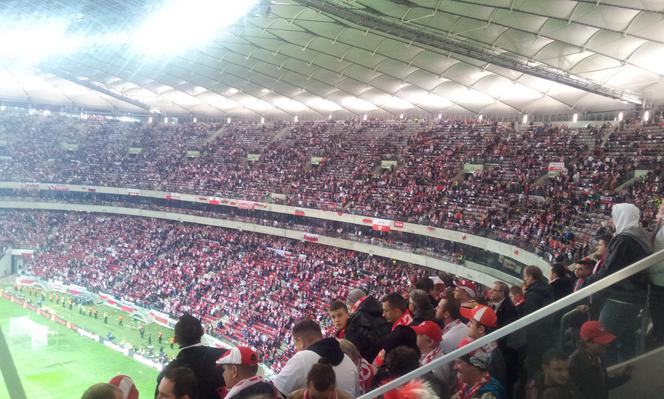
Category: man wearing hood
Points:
column 366, row 326
column 625, row 299
column 311, row 347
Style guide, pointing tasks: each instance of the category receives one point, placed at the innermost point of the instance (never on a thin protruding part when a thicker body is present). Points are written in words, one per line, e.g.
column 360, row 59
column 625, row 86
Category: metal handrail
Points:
column 525, row 321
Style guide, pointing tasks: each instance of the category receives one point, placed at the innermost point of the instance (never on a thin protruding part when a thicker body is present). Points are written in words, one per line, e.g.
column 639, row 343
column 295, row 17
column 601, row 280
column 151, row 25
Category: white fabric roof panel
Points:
column 298, row 60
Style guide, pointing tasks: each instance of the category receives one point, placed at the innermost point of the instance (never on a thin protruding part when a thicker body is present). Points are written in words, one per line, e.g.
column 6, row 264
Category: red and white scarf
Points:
column 406, row 319
column 426, row 359
column 466, row 391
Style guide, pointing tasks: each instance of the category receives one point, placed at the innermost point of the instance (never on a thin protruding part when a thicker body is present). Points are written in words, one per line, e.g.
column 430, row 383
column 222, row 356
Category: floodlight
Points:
column 525, row 119
column 620, row 116
column 646, row 116
column 181, row 24
column 575, row 118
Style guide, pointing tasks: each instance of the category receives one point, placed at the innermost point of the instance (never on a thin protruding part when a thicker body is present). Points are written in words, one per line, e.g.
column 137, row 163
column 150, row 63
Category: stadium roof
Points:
column 315, row 58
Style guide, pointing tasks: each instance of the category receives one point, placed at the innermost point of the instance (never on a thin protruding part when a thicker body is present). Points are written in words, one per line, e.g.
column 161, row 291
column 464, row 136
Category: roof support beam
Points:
column 101, row 89
column 449, row 43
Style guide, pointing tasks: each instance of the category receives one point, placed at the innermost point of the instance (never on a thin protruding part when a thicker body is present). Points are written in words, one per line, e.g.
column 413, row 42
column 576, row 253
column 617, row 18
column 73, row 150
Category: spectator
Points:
column 178, row 383
column 399, row 361
column 395, row 310
column 656, row 274
column 419, row 304
column 320, row 384
column 126, row 386
column 454, row 330
column 560, row 281
column 426, row 284
column 240, row 368
column 365, row 370
column 366, row 326
column 474, row 380
column 102, row 391
column 200, row 359
column 339, row 315
column 623, row 301
column 501, row 304
column 538, row 335
column 506, row 313
column 517, row 298
column 586, row 366
column 554, row 376
column 483, row 321
column 602, row 249
column 465, row 292
column 311, row 347
column 429, row 338
column 582, row 269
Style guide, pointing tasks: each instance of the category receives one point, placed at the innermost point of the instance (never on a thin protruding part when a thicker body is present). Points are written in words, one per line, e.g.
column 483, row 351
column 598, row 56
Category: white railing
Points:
column 643, row 264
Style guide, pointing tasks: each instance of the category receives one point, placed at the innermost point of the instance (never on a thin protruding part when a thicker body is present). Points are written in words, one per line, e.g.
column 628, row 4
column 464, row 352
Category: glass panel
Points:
column 618, row 329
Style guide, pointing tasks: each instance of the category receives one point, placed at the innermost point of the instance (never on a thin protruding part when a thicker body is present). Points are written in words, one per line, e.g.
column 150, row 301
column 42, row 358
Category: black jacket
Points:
column 562, row 287
column 592, row 379
column 506, row 313
column 366, row 328
column 202, row 360
column 625, row 249
column 260, row 389
column 538, row 295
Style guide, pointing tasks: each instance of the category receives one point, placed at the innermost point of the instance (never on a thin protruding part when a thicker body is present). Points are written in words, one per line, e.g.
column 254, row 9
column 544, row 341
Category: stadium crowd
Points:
column 333, row 323
column 386, row 320
column 306, row 164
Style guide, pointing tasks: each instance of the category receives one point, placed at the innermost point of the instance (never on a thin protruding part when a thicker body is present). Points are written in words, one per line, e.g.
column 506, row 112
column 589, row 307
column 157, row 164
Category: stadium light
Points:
column 575, row 118
column 295, row 119
column 150, row 120
column 2, row 108
column 480, row 117
column 329, row 117
column 525, row 119
column 440, row 116
column 195, row 120
column 620, row 116
column 182, row 24
column 228, row 120
column 262, row 120
column 364, row 118
column 400, row 116
column 646, row 116
column 165, row 119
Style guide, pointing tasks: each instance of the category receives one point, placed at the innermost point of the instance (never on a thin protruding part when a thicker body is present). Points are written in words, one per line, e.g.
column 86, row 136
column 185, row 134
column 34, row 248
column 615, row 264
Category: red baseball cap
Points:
column 240, row 355
column 594, row 331
column 126, row 385
column 481, row 314
column 430, row 329
column 467, row 286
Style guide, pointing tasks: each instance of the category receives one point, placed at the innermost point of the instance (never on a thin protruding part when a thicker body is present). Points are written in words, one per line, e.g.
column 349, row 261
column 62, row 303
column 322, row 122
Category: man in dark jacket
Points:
column 539, row 336
column 586, row 366
column 625, row 299
column 366, row 326
column 561, row 281
column 199, row 358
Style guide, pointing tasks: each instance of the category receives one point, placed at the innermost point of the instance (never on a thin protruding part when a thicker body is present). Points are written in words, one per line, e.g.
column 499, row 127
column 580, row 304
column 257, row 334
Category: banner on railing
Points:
column 310, row 237
column 381, row 224
column 555, row 168
column 132, row 191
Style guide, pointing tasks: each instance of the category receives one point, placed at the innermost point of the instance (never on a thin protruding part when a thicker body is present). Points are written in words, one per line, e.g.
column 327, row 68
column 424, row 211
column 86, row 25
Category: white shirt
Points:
column 294, row 374
column 453, row 333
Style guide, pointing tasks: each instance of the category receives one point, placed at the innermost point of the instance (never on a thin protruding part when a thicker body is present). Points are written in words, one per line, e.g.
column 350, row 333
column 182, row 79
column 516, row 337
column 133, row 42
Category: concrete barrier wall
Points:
column 508, row 250
column 482, row 274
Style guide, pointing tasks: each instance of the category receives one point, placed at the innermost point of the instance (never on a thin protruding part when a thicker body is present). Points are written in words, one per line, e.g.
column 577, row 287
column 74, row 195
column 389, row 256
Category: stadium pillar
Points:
column 9, row 373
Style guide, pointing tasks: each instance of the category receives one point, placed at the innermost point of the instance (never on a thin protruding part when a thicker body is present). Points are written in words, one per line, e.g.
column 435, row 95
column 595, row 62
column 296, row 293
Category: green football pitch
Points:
column 71, row 363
